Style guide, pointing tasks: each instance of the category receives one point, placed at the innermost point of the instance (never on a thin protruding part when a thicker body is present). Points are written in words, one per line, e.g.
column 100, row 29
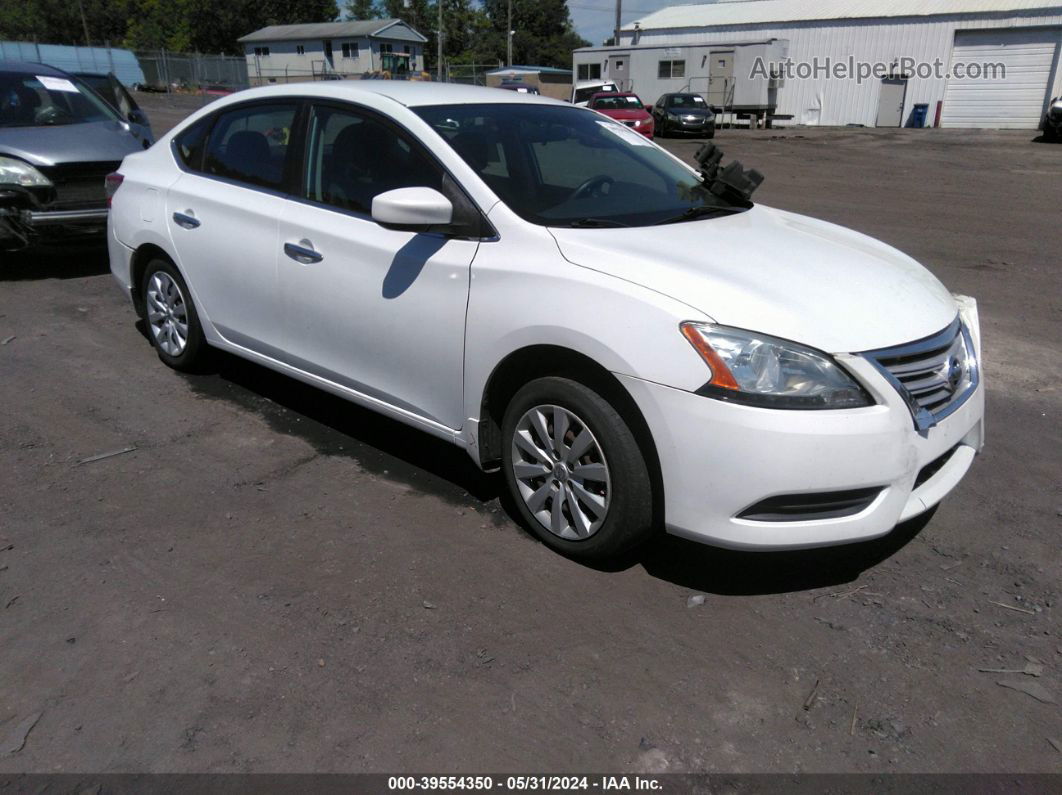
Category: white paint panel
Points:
column 1013, row 99
column 774, row 11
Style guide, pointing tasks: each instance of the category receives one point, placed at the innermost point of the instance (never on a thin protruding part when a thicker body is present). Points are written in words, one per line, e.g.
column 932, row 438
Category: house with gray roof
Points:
column 288, row 53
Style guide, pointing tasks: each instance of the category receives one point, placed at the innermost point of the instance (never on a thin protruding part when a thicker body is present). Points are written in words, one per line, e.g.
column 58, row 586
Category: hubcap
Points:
column 167, row 314
column 561, row 472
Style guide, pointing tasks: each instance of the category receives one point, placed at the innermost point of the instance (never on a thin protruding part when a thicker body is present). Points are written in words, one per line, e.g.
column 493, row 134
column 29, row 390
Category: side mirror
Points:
column 412, row 208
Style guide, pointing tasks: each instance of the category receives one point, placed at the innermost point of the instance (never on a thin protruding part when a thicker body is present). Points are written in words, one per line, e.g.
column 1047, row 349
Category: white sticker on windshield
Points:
column 626, row 133
column 57, row 84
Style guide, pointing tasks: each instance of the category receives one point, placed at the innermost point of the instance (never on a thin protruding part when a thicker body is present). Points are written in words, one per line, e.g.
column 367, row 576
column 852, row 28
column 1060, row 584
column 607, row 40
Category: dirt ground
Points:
column 274, row 580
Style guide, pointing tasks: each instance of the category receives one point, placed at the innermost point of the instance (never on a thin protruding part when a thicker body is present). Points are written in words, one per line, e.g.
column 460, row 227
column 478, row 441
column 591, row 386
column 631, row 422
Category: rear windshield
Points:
column 28, row 100
column 584, row 94
column 568, row 166
column 687, row 101
column 616, row 103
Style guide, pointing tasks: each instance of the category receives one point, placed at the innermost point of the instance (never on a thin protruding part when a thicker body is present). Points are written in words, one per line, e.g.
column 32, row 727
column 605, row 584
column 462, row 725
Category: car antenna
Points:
column 732, row 182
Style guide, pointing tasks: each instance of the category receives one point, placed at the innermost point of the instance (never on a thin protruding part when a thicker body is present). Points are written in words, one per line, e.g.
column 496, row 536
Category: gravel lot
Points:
column 274, row 580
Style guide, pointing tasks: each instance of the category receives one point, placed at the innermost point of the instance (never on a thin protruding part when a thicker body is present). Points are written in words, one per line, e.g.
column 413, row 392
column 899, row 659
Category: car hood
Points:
column 68, row 143
column 776, row 272
column 626, row 115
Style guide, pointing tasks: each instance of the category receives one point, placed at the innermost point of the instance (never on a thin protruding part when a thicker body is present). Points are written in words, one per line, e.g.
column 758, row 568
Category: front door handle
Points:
column 301, row 253
column 186, row 220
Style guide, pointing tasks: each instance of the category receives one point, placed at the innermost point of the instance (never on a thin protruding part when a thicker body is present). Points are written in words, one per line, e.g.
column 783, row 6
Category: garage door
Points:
column 1013, row 101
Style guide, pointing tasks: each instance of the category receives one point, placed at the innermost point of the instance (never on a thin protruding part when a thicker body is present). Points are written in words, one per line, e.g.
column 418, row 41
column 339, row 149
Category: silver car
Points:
column 58, row 141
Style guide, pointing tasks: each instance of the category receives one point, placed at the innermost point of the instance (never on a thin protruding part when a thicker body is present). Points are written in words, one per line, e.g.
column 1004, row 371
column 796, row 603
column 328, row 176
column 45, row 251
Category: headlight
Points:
column 764, row 371
column 16, row 172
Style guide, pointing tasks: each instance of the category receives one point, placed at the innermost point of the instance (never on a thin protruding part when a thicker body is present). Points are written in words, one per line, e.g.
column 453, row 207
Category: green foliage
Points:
column 473, row 30
column 204, row 25
column 361, row 9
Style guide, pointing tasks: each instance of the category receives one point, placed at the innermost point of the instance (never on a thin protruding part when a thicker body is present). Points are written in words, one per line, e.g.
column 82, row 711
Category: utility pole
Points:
column 509, row 38
column 84, row 23
column 438, row 59
column 619, row 9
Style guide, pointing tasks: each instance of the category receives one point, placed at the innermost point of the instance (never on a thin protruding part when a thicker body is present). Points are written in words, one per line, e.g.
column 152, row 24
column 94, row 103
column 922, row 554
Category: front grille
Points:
column 804, row 507
column 934, row 375
column 79, row 186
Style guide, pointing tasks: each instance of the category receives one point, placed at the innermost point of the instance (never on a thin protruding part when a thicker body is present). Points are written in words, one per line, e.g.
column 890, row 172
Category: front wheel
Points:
column 575, row 470
column 172, row 322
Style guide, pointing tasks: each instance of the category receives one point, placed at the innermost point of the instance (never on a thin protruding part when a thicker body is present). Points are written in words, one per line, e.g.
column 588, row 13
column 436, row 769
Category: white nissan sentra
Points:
column 634, row 345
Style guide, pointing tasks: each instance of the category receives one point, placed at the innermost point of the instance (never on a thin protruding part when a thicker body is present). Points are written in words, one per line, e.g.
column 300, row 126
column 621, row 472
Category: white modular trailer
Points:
column 724, row 73
column 1025, row 36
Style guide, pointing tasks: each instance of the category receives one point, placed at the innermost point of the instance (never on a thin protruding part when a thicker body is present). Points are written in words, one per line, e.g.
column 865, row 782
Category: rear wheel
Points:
column 172, row 322
column 575, row 470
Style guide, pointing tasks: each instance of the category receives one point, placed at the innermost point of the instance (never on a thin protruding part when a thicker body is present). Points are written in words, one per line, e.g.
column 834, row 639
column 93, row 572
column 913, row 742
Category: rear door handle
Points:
column 186, row 220
column 301, row 253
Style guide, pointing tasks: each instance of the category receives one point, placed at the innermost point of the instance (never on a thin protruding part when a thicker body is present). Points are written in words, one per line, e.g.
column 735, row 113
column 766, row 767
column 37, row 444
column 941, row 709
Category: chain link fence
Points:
column 192, row 72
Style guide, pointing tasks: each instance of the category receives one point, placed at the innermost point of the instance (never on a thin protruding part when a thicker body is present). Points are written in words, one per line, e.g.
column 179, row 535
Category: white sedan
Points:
column 544, row 287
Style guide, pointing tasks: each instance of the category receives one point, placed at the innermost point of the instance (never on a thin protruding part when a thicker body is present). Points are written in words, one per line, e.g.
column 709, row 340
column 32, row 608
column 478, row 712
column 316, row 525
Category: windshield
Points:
column 687, row 101
column 583, row 94
column 28, row 100
column 565, row 166
column 616, row 103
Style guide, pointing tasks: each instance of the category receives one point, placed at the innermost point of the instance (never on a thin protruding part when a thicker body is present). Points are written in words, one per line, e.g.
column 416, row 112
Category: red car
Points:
column 624, row 107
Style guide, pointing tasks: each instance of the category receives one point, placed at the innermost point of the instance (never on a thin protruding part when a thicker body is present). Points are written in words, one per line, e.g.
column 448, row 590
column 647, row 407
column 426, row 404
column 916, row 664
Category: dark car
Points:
column 58, row 141
column 118, row 97
column 684, row 113
column 1052, row 121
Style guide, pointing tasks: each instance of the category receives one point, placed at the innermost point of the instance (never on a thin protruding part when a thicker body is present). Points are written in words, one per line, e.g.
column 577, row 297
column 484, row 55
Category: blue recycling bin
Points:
column 919, row 114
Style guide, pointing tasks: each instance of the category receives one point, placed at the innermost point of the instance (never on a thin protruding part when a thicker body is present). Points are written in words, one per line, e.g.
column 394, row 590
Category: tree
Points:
column 205, row 25
column 544, row 34
column 59, row 21
column 361, row 9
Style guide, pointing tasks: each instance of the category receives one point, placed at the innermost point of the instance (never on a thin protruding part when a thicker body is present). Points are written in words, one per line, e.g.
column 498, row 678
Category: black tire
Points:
column 628, row 517
column 711, row 132
column 195, row 352
column 1050, row 133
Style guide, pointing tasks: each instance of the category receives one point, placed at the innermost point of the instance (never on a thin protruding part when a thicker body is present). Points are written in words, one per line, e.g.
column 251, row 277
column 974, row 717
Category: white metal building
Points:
column 281, row 53
column 1024, row 36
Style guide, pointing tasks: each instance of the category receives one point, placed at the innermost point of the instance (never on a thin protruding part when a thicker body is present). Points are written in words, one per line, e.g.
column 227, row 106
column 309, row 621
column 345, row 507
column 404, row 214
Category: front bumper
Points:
column 22, row 227
column 718, row 459
column 700, row 125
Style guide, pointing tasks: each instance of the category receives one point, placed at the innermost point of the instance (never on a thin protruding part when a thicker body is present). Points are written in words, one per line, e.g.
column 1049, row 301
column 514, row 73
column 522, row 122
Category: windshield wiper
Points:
column 594, row 223
column 703, row 211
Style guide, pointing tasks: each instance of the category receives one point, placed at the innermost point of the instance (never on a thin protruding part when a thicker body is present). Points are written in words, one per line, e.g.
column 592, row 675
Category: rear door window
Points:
column 250, row 144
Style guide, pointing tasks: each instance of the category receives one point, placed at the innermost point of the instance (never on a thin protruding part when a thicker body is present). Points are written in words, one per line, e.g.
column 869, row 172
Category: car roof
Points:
column 411, row 93
column 614, row 94
column 26, row 67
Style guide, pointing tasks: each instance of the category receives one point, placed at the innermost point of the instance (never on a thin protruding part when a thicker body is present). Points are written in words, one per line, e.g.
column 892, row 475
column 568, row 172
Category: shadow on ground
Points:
column 336, row 427
column 54, row 262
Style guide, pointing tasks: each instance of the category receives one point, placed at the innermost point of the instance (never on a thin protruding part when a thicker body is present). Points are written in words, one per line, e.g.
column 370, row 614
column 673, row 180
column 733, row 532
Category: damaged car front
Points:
column 58, row 142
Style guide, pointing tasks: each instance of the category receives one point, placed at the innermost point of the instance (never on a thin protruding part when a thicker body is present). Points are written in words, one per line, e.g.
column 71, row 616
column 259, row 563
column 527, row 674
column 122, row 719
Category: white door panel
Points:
column 1013, row 101
column 382, row 311
column 230, row 258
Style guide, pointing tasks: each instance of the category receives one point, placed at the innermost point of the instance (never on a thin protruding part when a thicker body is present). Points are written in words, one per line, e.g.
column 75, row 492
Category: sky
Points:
column 595, row 19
